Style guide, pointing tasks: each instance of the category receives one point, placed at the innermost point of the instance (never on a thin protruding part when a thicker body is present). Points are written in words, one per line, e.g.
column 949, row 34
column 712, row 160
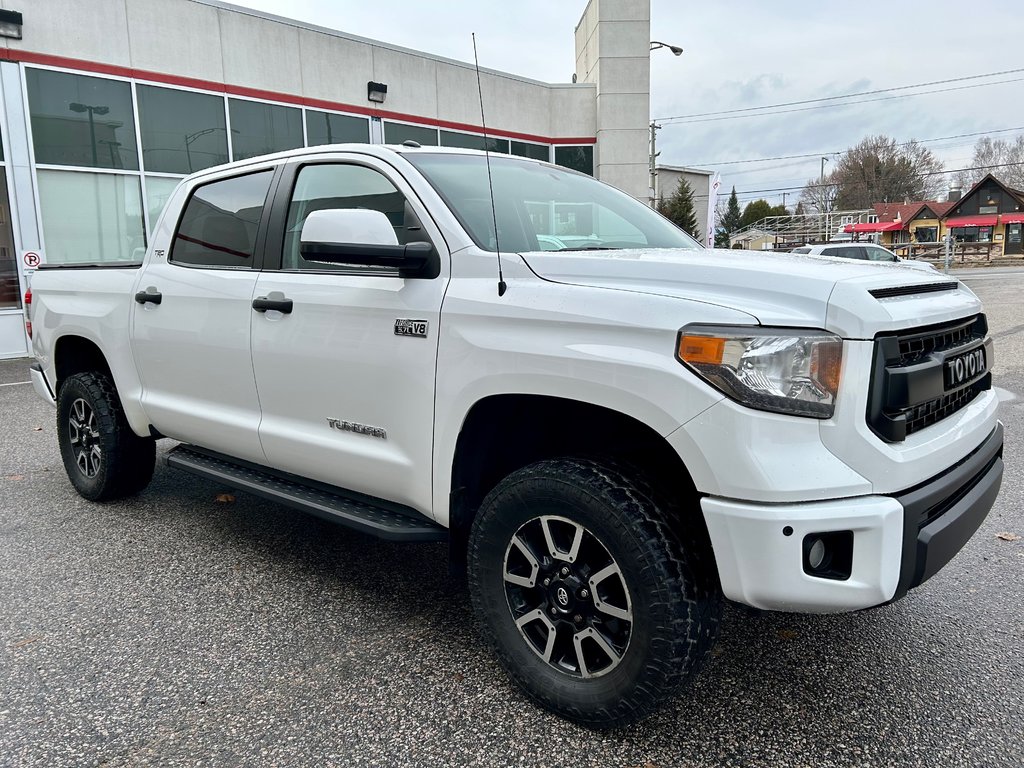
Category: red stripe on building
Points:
column 49, row 60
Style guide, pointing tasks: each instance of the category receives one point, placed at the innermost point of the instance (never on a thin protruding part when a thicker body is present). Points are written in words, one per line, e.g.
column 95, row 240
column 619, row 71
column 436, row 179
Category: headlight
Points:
column 784, row 370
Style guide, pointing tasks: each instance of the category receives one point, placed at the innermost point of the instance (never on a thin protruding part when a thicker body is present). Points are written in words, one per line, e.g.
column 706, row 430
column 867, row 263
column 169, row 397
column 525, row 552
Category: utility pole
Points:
column 821, row 191
column 653, row 164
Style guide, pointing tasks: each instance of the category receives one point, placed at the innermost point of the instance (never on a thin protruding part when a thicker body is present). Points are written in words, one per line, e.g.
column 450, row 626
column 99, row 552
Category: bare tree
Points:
column 879, row 170
column 819, row 196
column 1003, row 159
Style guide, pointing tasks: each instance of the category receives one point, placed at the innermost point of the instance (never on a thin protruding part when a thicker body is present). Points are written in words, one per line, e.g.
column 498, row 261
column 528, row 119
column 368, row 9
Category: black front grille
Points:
column 934, row 411
column 907, row 387
column 916, row 346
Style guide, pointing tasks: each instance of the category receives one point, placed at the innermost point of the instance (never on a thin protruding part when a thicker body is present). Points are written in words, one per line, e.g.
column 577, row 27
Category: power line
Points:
column 675, row 121
column 845, row 96
column 823, row 154
column 819, row 186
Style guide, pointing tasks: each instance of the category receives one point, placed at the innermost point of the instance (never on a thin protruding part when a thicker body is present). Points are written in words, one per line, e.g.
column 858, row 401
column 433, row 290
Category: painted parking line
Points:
column 1004, row 395
column 15, row 384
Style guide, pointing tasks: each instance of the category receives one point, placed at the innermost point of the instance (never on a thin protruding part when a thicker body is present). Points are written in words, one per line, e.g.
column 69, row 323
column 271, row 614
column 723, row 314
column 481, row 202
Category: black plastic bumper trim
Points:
column 941, row 515
column 39, row 368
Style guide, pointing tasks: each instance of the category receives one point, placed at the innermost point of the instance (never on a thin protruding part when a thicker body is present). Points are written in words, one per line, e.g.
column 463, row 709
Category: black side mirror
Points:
column 411, row 260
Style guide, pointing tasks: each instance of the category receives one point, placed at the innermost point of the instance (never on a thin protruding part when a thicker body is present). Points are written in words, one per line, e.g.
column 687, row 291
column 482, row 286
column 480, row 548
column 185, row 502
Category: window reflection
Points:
column 182, row 131
column 259, row 129
column 81, row 120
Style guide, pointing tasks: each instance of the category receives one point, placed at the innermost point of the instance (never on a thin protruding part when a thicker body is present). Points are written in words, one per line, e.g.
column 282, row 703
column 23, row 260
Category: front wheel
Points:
column 103, row 457
column 595, row 608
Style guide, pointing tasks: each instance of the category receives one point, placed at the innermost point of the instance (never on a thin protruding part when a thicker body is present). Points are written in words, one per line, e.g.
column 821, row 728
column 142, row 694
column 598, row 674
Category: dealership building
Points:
column 107, row 104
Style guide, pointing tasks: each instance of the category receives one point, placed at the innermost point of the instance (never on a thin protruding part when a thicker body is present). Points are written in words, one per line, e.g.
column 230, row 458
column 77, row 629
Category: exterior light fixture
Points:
column 676, row 50
column 10, row 24
column 376, row 92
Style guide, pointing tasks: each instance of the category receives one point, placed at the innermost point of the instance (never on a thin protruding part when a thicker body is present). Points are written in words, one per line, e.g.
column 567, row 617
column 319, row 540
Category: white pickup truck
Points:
column 612, row 435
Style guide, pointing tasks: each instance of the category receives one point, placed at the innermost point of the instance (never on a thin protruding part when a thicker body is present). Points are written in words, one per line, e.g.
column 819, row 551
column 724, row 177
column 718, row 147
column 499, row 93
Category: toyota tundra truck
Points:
column 613, row 428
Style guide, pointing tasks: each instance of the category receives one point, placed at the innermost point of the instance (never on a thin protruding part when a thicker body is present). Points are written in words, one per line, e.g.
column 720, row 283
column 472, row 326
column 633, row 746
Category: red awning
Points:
column 1013, row 218
column 872, row 226
column 973, row 221
column 892, row 226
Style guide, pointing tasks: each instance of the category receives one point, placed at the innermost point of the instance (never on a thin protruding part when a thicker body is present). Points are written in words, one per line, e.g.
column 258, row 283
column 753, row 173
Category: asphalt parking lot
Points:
column 176, row 629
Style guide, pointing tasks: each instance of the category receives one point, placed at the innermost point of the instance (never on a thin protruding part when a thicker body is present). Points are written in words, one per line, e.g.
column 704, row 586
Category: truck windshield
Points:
column 543, row 208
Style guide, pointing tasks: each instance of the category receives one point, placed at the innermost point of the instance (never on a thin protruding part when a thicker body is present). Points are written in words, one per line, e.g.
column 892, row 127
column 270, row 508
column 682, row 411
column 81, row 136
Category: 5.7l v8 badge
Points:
column 411, row 328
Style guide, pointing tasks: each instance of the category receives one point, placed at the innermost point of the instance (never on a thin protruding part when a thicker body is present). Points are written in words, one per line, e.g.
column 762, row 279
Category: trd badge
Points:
column 411, row 328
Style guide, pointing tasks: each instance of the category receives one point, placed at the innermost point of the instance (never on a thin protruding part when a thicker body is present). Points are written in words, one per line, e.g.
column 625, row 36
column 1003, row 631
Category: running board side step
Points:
column 362, row 513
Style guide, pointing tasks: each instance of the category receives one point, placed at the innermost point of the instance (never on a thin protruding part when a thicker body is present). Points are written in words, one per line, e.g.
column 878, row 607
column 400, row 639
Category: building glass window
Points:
column 220, row 222
column 91, row 217
column 259, row 129
column 534, row 151
column 396, row 133
column 81, row 120
column 182, row 131
column 577, row 158
column 327, row 128
column 472, row 141
column 158, row 192
column 926, row 234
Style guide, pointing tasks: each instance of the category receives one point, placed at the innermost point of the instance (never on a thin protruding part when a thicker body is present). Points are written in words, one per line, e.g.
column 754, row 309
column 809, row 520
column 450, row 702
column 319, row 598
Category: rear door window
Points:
column 220, row 222
column 879, row 254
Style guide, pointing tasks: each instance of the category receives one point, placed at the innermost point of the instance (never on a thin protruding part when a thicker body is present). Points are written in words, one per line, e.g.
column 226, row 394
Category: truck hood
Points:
column 784, row 289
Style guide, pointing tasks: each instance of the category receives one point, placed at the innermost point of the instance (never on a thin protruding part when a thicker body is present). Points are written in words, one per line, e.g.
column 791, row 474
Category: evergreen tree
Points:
column 680, row 211
column 730, row 221
column 760, row 209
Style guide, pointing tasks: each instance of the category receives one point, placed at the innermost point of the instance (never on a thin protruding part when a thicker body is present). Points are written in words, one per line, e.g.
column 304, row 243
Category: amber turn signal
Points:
column 701, row 349
column 827, row 365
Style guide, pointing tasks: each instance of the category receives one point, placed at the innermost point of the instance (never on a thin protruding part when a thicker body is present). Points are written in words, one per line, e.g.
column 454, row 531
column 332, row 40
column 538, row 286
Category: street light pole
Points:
column 97, row 110
column 676, row 51
column 653, row 165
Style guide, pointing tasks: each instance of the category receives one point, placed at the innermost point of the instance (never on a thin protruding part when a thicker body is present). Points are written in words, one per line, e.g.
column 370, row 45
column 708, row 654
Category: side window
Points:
column 218, row 228
column 879, row 254
column 326, row 187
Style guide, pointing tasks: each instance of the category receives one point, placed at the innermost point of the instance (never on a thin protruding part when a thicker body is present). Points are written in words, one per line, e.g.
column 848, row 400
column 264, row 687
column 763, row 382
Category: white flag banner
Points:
column 716, row 182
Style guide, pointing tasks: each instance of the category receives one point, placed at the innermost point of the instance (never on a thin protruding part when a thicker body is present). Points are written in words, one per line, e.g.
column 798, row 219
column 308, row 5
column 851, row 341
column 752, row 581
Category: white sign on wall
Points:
column 32, row 259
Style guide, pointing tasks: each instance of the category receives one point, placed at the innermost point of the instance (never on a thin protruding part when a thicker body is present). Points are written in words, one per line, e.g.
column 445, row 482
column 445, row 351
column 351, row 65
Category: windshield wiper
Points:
column 588, row 248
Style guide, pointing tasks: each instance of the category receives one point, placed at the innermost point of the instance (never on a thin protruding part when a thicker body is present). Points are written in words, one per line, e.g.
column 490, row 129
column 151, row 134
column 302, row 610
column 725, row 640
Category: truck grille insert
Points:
column 908, row 392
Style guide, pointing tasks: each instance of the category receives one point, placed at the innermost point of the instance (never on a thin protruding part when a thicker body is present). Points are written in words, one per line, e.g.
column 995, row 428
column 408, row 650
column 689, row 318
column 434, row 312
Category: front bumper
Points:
column 899, row 541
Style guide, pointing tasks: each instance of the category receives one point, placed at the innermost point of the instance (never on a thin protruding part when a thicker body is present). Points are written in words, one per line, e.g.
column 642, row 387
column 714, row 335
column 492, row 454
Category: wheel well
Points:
column 74, row 354
column 506, row 432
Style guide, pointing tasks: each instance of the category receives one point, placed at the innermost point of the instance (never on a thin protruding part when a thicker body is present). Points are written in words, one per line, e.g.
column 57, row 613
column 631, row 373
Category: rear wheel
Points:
column 592, row 604
column 103, row 457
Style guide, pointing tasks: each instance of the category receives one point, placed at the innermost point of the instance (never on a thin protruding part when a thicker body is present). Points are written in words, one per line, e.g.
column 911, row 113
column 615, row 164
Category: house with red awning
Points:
column 990, row 212
column 990, row 215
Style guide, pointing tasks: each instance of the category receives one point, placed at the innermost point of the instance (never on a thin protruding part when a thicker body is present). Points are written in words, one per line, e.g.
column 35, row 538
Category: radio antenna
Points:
column 502, row 287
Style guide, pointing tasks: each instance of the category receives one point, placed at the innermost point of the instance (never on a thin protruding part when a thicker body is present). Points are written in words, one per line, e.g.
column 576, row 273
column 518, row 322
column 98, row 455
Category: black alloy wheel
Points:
column 597, row 607
column 103, row 457
column 567, row 596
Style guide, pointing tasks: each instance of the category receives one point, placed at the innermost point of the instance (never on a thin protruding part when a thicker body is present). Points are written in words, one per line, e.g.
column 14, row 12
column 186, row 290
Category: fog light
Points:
column 816, row 555
column 828, row 554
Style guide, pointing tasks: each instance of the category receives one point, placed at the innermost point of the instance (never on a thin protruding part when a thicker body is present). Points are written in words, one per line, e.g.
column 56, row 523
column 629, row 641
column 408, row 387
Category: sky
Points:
column 748, row 53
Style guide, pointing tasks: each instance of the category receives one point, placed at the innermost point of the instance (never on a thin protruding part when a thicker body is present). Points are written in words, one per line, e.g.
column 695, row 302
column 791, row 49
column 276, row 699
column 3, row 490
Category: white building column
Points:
column 613, row 52
column 21, row 200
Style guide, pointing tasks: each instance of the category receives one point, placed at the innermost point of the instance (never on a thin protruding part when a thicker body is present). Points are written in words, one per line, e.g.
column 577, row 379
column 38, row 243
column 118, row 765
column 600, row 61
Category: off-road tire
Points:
column 676, row 603
column 123, row 463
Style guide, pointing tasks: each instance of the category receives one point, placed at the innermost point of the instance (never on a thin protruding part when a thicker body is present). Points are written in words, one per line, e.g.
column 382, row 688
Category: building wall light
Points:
column 376, row 92
column 10, row 24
